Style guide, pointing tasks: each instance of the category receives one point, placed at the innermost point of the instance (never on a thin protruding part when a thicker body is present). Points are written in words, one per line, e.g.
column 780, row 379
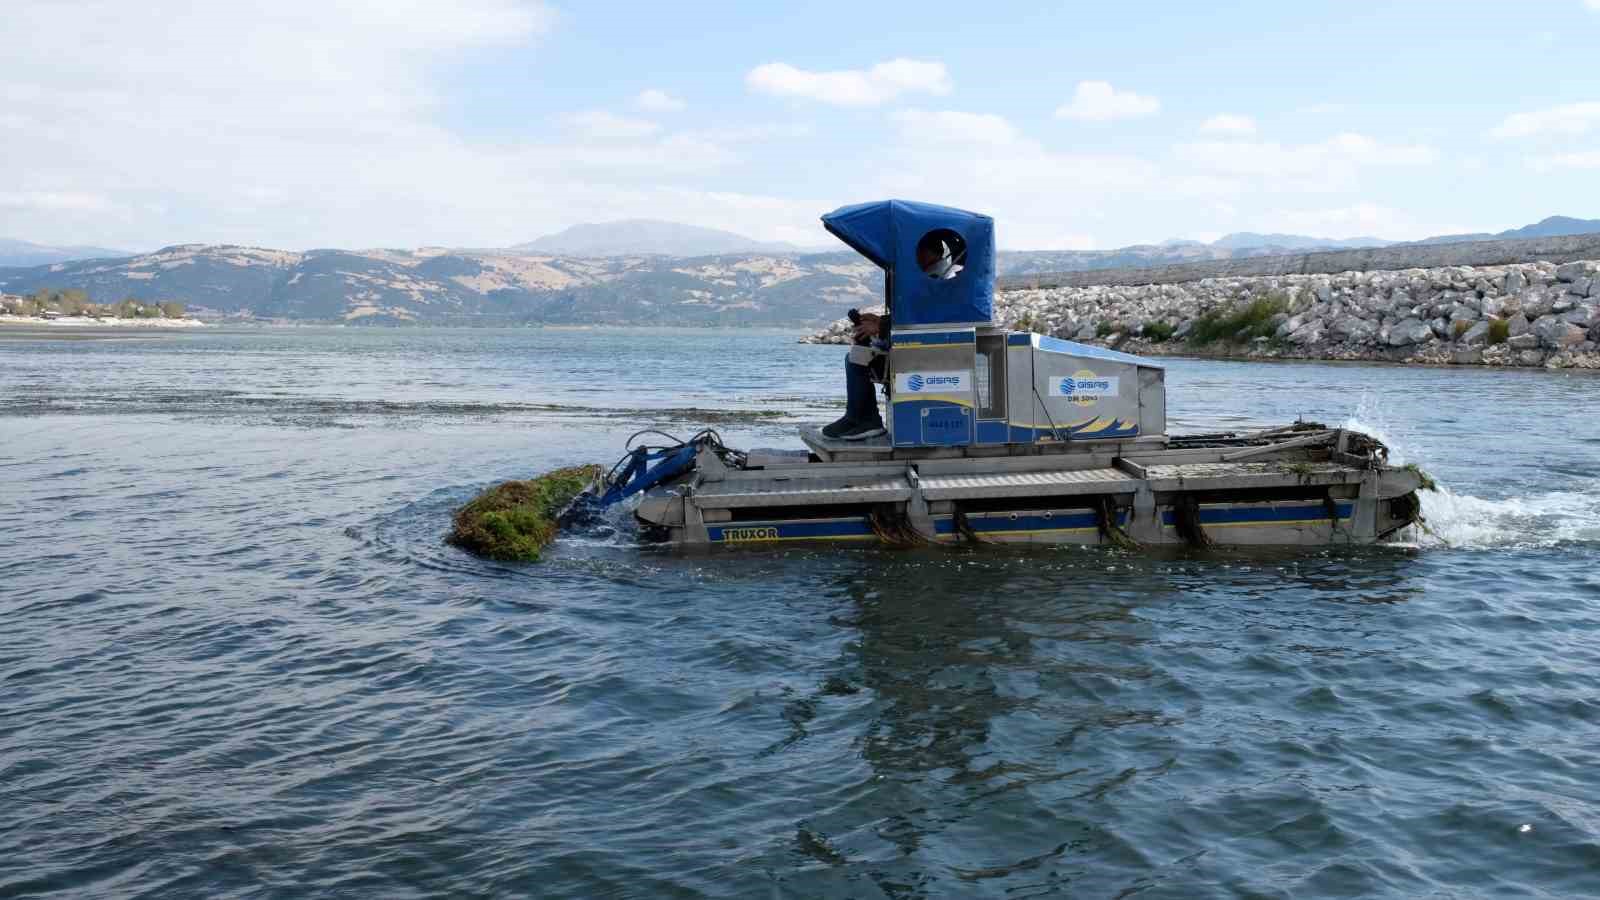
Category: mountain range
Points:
column 23, row 253
column 637, row 237
column 615, row 273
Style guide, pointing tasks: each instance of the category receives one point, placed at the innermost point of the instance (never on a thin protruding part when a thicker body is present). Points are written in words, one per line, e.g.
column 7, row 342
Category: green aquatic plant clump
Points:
column 1159, row 332
column 1239, row 324
column 1425, row 481
column 516, row 520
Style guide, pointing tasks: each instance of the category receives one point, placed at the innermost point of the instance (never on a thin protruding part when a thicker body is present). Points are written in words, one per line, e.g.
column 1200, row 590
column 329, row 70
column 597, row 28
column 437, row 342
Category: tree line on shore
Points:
column 75, row 302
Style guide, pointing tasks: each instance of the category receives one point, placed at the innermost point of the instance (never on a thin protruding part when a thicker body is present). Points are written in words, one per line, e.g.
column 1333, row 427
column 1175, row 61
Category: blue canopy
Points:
column 888, row 231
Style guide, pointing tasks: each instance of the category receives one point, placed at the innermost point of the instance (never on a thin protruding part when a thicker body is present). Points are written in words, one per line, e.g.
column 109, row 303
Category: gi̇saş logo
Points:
column 932, row 382
column 1084, row 387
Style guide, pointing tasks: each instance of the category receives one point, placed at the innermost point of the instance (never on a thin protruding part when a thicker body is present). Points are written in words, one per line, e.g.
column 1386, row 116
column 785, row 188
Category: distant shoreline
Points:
column 91, row 322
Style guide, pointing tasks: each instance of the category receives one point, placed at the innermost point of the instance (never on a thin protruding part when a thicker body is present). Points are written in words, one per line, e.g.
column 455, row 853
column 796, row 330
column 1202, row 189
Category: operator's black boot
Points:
column 860, row 431
column 837, row 429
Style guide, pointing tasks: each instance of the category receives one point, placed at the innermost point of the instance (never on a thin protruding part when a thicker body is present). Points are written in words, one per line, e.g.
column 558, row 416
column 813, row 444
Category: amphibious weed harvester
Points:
column 1007, row 436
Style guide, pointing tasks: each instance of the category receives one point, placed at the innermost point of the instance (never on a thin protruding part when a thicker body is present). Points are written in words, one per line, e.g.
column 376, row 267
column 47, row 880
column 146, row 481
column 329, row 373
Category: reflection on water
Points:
column 240, row 660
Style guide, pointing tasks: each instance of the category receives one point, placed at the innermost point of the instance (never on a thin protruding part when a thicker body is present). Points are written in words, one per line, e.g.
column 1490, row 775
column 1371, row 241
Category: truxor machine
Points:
column 997, row 435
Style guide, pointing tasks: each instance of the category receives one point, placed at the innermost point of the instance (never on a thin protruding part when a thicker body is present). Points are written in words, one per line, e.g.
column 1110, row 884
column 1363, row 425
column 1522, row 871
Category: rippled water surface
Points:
column 238, row 661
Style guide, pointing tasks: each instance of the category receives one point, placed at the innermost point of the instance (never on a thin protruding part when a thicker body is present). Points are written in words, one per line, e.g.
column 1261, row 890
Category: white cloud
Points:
column 1575, row 118
column 1357, row 220
column 658, row 101
column 740, row 134
column 1040, row 198
column 318, row 125
column 1584, row 160
column 597, row 123
column 1325, row 166
column 1098, row 101
column 54, row 200
column 1225, row 123
column 852, row 87
column 954, row 126
column 1208, row 186
column 1592, row 4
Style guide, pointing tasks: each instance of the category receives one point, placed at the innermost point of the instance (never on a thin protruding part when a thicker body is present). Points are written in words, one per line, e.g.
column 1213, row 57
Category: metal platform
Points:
column 1242, row 475
column 1028, row 484
column 784, row 491
column 832, row 449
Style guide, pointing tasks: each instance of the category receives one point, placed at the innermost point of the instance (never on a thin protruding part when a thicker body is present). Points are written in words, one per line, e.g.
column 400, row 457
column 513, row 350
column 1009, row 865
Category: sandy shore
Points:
column 86, row 321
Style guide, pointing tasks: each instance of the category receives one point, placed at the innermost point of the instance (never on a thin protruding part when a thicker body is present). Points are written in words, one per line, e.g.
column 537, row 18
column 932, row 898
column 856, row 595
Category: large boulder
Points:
column 1477, row 335
column 1569, row 273
column 1310, row 333
column 1526, row 341
column 1353, row 330
column 1584, row 315
column 1410, row 331
column 1518, row 324
column 1515, row 282
column 1536, row 302
column 1556, row 334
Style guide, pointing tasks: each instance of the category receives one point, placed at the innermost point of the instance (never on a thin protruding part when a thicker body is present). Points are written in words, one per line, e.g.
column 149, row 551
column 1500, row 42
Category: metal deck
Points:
column 785, row 491
column 832, row 448
column 1239, row 475
column 1028, row 484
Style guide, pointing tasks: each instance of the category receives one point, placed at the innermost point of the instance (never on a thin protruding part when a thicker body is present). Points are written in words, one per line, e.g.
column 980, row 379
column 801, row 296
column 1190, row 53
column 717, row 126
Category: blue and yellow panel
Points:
column 932, row 422
column 855, row 528
column 903, row 339
column 1044, row 526
column 1263, row 515
column 1063, row 526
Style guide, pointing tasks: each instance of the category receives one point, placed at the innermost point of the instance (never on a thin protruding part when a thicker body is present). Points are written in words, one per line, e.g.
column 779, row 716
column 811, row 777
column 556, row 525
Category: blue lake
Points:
column 237, row 659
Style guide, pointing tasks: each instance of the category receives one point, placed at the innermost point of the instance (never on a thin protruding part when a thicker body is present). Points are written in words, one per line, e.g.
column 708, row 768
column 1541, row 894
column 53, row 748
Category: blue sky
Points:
column 359, row 123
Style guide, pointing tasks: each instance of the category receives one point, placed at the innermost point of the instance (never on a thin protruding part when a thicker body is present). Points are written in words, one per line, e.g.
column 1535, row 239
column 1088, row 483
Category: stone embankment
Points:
column 1525, row 314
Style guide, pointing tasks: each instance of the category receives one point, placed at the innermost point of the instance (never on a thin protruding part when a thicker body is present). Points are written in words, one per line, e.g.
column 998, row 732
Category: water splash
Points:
column 1542, row 520
column 1370, row 417
column 1548, row 519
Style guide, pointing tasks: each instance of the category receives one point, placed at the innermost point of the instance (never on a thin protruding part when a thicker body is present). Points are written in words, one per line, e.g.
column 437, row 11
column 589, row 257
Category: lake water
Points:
column 238, row 661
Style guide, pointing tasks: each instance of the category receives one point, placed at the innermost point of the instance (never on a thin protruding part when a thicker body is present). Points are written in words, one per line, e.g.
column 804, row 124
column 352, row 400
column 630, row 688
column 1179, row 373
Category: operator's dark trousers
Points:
column 861, row 397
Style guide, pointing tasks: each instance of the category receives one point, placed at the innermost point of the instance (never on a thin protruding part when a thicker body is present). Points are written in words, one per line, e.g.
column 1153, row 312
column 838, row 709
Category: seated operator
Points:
column 869, row 356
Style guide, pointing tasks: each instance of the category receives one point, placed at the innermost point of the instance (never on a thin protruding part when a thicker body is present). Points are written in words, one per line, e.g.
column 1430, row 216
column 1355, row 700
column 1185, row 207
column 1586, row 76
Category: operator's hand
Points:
column 869, row 325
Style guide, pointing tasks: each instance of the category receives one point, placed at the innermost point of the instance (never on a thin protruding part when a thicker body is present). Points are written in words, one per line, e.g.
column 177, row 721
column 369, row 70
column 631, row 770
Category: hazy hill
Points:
column 443, row 286
column 594, row 284
column 1554, row 226
column 1246, row 240
column 22, row 253
column 636, row 237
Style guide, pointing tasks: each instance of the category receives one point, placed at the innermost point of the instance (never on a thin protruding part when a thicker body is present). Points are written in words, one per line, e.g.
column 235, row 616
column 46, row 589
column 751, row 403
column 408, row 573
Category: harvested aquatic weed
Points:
column 517, row 519
column 1427, row 482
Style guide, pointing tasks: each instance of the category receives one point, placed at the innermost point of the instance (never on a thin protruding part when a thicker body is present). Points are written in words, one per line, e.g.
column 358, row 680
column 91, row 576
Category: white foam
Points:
column 1465, row 521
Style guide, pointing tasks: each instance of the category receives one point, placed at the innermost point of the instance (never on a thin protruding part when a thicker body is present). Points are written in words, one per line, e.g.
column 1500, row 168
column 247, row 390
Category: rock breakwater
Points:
column 1525, row 314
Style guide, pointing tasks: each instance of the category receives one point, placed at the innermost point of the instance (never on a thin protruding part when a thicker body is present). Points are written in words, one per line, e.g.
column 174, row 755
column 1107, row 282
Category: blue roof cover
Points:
column 887, row 233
